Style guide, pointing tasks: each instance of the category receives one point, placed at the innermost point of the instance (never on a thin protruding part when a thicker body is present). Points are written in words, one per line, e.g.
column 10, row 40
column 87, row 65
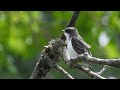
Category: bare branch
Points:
column 73, row 19
column 103, row 70
column 73, row 63
column 109, row 62
column 61, row 70
column 40, row 69
column 49, row 56
column 89, row 72
column 52, row 54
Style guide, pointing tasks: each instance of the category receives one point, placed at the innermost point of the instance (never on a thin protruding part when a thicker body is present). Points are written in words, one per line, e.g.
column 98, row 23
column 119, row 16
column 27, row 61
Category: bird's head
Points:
column 70, row 32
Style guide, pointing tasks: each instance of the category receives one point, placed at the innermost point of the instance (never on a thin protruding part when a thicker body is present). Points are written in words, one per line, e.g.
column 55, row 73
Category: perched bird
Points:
column 75, row 45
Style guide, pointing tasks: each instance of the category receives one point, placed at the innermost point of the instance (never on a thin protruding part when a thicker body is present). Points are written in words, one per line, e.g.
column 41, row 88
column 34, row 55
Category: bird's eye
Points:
column 68, row 31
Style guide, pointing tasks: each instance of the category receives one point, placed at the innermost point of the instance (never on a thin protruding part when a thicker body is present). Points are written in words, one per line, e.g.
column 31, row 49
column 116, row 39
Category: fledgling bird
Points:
column 75, row 45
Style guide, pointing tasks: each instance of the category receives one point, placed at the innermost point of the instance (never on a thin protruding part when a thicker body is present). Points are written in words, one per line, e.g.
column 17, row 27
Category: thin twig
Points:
column 89, row 72
column 61, row 70
column 103, row 70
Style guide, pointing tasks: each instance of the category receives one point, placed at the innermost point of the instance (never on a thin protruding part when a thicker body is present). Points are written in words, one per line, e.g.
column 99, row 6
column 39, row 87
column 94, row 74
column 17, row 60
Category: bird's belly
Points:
column 71, row 50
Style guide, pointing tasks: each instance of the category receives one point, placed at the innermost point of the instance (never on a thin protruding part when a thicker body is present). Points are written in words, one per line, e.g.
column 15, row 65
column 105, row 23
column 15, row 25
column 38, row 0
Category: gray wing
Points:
column 79, row 46
column 88, row 46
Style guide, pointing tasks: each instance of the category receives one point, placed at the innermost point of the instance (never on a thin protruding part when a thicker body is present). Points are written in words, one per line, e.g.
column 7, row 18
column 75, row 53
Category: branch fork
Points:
column 53, row 53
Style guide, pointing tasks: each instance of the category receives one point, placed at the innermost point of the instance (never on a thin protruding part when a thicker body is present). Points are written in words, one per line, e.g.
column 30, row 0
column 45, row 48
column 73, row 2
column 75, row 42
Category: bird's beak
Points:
column 63, row 30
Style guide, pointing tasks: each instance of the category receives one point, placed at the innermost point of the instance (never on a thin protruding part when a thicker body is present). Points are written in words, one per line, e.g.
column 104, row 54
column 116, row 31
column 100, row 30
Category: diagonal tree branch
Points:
column 51, row 53
column 74, row 18
column 103, row 70
column 72, row 22
column 49, row 56
column 61, row 70
column 89, row 72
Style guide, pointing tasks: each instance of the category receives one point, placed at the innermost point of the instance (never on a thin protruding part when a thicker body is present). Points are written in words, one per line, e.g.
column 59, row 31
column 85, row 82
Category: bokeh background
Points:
column 23, row 34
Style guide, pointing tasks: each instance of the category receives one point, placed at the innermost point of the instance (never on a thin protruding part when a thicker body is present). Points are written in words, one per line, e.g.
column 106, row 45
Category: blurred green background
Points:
column 23, row 34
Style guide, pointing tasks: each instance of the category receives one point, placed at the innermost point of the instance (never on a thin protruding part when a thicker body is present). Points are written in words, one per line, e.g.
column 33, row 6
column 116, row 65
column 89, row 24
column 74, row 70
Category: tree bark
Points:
column 51, row 54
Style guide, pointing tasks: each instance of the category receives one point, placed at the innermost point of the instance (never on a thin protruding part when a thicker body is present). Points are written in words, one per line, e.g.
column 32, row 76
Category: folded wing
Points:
column 80, row 46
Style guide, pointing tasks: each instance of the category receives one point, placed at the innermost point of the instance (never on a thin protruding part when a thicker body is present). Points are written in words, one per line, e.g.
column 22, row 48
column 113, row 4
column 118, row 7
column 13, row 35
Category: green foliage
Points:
column 24, row 33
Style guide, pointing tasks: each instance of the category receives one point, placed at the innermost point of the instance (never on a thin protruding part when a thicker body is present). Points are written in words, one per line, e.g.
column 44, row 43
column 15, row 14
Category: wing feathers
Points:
column 79, row 45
